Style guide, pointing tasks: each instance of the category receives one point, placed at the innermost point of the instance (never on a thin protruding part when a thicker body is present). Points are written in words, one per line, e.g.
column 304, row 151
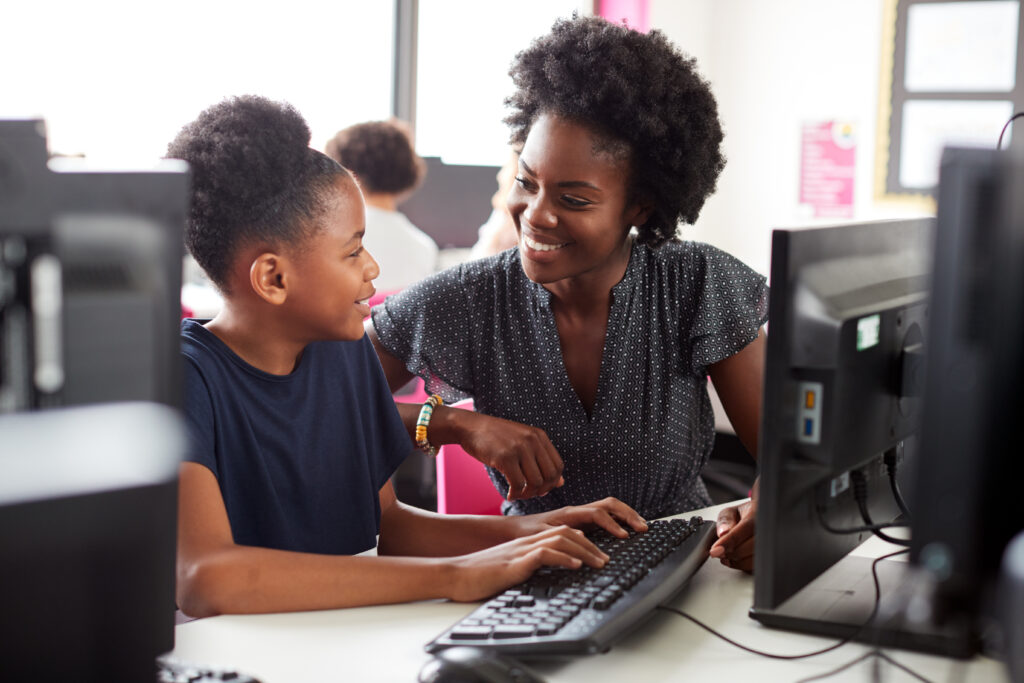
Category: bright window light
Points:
column 116, row 79
column 465, row 50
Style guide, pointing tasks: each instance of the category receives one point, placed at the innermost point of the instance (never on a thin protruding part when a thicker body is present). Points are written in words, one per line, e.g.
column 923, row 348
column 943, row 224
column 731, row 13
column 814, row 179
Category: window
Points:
column 952, row 75
column 116, row 79
column 465, row 50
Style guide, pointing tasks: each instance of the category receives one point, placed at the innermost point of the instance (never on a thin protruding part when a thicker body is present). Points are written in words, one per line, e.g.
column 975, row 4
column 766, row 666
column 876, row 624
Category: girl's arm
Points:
column 217, row 576
column 407, row 530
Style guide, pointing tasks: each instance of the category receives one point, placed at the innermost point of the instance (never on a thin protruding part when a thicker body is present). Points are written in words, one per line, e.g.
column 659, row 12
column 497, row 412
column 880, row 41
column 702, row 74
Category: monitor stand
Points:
column 840, row 600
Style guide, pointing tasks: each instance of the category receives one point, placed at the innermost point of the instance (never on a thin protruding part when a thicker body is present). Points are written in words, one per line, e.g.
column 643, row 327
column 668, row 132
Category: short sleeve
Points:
column 199, row 423
column 428, row 326
column 730, row 306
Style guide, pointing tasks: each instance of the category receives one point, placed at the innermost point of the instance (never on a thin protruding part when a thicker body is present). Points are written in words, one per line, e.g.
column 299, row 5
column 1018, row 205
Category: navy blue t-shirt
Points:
column 300, row 458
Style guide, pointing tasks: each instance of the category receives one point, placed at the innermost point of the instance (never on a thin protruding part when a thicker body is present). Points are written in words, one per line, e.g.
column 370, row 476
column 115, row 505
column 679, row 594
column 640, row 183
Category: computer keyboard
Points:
column 564, row 611
column 171, row 670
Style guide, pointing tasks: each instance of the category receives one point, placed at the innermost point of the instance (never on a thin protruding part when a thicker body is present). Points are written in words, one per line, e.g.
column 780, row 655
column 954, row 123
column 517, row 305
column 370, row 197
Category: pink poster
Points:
column 827, row 153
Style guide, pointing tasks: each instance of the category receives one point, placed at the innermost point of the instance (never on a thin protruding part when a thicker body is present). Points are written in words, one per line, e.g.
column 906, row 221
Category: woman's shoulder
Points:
column 693, row 258
column 482, row 273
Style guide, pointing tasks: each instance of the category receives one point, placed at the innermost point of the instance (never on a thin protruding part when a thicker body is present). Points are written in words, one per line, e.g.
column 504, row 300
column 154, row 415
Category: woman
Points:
column 587, row 347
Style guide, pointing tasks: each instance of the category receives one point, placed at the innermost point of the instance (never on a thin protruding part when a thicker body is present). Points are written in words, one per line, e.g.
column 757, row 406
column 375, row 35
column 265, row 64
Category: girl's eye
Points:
column 524, row 183
column 356, row 253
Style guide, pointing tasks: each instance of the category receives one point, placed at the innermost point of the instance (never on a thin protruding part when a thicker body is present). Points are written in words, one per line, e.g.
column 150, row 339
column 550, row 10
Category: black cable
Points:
column 873, row 653
column 999, row 144
column 889, row 458
column 860, row 494
column 772, row 655
column 852, row 529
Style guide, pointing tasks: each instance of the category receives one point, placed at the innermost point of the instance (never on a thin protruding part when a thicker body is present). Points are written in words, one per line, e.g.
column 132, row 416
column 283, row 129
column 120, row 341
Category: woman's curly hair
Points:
column 631, row 88
column 381, row 155
column 255, row 180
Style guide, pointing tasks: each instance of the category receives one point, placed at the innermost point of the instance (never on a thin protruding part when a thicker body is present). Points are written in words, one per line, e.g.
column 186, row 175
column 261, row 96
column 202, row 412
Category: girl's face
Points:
column 335, row 273
column 569, row 203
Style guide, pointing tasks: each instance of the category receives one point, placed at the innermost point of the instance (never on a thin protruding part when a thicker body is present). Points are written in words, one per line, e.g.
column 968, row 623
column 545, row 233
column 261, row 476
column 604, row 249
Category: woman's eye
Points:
column 356, row 253
column 524, row 183
column 575, row 201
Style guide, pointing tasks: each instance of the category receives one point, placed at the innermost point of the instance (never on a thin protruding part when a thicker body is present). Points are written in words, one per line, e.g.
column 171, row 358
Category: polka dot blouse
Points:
column 483, row 330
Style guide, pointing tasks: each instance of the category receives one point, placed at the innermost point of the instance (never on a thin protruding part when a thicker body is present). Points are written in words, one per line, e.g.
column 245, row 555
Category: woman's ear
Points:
column 638, row 213
column 268, row 278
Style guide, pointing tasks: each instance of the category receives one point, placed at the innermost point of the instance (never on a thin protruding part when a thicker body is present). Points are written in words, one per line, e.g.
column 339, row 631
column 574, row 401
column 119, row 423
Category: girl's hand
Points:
column 485, row 573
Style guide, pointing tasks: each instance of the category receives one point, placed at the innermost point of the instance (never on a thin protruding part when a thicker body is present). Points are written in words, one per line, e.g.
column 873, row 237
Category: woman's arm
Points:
column 738, row 381
column 523, row 454
column 217, row 576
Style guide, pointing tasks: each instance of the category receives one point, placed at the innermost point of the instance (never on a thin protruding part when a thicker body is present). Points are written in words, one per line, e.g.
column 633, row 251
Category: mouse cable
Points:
column 772, row 655
column 867, row 655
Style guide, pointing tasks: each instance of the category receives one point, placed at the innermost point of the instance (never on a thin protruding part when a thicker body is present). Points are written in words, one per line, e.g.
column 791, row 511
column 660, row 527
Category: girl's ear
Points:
column 268, row 278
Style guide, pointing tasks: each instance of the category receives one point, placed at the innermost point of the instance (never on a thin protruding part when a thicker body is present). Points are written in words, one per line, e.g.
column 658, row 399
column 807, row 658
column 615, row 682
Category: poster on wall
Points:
column 827, row 155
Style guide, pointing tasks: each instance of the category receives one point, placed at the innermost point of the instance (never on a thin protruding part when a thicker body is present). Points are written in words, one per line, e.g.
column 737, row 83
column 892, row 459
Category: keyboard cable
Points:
column 815, row 653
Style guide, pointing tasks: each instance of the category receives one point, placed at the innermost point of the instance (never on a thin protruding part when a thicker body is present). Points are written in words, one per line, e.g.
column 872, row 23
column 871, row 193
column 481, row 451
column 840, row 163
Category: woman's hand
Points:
column 735, row 525
column 487, row 572
column 523, row 454
column 610, row 514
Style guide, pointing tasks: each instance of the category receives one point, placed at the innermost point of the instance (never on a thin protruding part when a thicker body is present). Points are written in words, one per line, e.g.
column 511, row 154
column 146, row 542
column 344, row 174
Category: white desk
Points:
column 386, row 643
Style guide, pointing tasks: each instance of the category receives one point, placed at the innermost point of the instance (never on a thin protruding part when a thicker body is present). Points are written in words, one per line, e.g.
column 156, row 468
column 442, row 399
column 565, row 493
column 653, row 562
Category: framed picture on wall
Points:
column 952, row 74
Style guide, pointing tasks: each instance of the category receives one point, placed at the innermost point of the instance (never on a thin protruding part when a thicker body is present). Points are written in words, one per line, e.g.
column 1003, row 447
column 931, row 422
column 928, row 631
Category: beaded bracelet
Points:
column 421, row 424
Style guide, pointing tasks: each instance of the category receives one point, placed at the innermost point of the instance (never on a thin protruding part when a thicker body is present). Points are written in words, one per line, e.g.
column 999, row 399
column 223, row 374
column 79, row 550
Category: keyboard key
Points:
column 471, row 632
column 514, row 631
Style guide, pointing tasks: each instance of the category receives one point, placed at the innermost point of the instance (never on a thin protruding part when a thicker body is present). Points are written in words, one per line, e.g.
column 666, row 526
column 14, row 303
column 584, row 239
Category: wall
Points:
column 775, row 64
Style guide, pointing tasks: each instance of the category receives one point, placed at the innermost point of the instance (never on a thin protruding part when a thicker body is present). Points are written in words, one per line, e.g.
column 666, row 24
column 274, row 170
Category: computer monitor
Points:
column 965, row 504
column 87, row 527
column 848, row 325
column 90, row 277
column 90, row 392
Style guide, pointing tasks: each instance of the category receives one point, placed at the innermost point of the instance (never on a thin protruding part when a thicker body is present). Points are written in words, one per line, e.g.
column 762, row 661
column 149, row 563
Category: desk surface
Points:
column 386, row 643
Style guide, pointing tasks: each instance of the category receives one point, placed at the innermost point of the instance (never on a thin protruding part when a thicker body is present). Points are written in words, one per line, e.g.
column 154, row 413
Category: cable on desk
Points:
column 867, row 655
column 772, row 655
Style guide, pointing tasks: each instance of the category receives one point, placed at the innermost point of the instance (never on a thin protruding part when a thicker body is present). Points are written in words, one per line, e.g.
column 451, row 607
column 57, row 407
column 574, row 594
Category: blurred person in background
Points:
column 381, row 156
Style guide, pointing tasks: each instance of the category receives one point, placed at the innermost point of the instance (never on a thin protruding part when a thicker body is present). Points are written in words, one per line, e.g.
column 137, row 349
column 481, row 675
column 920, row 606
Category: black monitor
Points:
column 848, row 325
column 965, row 508
column 87, row 527
column 90, row 277
column 90, row 393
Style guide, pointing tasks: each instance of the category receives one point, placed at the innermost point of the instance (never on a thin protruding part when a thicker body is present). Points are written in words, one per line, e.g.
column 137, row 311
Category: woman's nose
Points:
column 538, row 212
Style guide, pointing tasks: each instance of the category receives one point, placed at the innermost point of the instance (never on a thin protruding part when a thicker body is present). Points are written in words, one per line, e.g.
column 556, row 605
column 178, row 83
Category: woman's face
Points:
column 569, row 203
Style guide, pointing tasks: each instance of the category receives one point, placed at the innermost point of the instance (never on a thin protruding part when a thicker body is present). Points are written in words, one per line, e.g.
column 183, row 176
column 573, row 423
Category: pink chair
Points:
column 463, row 487
column 380, row 296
